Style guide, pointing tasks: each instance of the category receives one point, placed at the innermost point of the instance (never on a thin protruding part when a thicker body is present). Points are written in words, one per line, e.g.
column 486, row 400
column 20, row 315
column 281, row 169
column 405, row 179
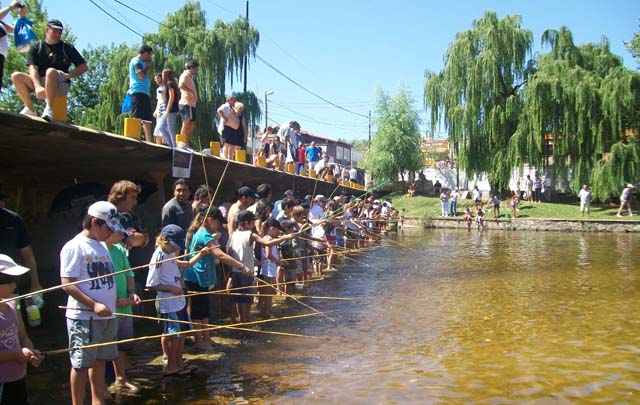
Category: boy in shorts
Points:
column 165, row 278
column 90, row 317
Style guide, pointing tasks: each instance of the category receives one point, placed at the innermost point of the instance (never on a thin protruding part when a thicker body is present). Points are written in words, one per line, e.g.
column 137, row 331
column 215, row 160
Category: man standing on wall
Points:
column 139, row 85
column 188, row 99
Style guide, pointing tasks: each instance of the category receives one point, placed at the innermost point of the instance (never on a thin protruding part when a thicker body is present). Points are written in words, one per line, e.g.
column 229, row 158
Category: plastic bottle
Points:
column 33, row 313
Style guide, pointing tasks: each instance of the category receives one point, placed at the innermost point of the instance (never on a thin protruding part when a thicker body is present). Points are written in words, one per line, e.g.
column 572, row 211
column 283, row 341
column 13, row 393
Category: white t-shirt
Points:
column 353, row 173
column 166, row 273
column 315, row 213
column 269, row 268
column 241, row 247
column 317, row 232
column 83, row 258
column 585, row 196
column 4, row 43
column 347, row 220
column 320, row 165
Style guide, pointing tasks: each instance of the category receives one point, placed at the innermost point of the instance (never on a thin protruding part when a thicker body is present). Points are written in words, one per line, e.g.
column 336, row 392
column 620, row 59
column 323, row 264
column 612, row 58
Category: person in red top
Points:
column 301, row 157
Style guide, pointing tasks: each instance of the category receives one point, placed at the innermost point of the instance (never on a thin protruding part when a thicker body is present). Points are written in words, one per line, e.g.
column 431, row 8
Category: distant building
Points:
column 338, row 151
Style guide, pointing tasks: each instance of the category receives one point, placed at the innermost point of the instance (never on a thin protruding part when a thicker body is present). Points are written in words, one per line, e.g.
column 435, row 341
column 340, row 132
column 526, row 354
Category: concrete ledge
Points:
column 533, row 224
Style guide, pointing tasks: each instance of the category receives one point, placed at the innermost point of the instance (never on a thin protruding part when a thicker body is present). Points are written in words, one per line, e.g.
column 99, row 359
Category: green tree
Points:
column 17, row 62
column 584, row 102
column 395, row 147
column 634, row 46
column 478, row 93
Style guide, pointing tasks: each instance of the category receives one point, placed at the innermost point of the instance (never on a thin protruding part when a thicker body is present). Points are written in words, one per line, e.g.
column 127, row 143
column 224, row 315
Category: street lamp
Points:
column 266, row 109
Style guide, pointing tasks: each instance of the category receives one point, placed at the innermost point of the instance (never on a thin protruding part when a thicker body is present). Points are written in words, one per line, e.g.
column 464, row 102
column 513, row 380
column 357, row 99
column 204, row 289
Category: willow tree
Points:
column 395, row 147
column 633, row 46
column 580, row 109
column 477, row 95
column 182, row 36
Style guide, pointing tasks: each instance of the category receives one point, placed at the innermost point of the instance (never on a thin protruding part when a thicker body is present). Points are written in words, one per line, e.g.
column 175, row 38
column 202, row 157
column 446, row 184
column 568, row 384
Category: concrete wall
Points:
column 522, row 224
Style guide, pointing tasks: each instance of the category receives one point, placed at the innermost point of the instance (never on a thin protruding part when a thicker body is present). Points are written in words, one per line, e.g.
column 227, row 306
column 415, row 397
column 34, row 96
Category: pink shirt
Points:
column 10, row 371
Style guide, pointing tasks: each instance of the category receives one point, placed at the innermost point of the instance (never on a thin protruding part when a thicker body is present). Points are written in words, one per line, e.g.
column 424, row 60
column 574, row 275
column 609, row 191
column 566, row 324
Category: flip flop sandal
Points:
column 191, row 369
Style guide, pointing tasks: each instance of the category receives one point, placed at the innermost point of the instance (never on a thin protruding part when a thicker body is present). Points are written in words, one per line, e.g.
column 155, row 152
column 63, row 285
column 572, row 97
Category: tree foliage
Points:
column 223, row 52
column 634, row 46
column 573, row 107
column 395, row 147
column 184, row 36
column 477, row 94
column 586, row 103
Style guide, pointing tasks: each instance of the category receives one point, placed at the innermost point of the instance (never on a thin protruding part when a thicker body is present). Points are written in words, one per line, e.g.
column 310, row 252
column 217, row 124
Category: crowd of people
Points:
column 252, row 248
column 49, row 76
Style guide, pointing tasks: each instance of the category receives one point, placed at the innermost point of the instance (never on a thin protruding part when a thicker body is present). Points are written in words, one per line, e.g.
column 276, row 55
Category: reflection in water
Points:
column 497, row 317
column 451, row 317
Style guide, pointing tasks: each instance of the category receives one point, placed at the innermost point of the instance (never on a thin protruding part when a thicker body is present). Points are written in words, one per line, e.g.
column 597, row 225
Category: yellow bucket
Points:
column 303, row 172
column 261, row 162
column 329, row 178
column 132, row 128
column 312, row 173
column 241, row 156
column 215, row 148
column 291, row 168
column 180, row 138
column 60, row 108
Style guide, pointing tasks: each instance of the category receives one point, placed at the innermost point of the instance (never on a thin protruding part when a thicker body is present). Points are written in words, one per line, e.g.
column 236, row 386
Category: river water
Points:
column 450, row 317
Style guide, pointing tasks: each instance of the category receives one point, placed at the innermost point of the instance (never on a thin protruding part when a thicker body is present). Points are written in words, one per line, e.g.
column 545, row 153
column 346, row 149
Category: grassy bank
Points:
column 421, row 207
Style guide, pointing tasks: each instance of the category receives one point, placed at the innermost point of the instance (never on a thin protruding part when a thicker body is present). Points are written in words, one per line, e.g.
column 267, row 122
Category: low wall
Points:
column 526, row 224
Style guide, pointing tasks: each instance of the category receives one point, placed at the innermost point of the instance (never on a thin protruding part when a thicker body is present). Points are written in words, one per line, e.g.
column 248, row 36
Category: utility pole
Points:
column 369, row 129
column 266, row 109
column 246, row 60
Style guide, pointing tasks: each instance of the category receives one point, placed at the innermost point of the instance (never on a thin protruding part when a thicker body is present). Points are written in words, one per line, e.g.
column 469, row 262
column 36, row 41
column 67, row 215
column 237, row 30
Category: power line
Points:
column 275, row 69
column 118, row 21
column 315, row 120
column 257, row 57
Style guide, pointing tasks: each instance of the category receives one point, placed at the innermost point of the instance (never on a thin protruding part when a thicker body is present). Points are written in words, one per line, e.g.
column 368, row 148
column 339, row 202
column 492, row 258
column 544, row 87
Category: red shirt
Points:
column 301, row 154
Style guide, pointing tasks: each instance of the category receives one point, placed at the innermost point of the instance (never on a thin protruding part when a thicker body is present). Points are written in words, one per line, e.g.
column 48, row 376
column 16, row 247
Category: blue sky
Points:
column 344, row 50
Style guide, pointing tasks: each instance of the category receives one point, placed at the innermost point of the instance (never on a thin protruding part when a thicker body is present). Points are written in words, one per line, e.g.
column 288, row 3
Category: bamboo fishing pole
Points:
column 154, row 318
column 186, row 332
column 297, row 300
column 214, row 292
column 60, row 286
column 280, row 295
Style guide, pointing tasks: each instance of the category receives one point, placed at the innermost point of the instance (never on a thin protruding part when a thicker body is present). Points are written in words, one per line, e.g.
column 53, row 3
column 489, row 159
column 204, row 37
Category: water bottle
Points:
column 33, row 313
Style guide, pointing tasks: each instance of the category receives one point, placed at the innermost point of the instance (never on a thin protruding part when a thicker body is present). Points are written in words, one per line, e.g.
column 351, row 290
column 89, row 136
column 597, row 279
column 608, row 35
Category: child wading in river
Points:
column 166, row 280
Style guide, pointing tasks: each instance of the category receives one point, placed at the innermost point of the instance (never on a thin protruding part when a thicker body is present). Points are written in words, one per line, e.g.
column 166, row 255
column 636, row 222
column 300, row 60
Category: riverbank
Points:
column 546, row 216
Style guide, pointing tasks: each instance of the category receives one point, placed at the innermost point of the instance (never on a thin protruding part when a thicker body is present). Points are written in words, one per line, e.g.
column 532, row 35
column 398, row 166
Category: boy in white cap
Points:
column 16, row 349
column 83, row 258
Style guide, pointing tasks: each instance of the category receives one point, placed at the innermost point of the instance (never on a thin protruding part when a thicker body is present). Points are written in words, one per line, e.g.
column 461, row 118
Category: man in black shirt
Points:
column 49, row 75
column 16, row 243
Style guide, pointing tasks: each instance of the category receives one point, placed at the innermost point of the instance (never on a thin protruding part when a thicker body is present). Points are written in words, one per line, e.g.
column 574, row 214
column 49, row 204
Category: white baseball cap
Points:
column 107, row 212
column 10, row 268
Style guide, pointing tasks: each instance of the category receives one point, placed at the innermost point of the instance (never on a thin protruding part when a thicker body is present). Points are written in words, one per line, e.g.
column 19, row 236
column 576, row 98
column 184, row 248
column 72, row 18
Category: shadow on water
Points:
column 436, row 317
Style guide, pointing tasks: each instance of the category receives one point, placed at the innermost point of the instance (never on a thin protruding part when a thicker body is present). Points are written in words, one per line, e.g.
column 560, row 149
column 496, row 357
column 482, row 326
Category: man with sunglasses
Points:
column 49, row 76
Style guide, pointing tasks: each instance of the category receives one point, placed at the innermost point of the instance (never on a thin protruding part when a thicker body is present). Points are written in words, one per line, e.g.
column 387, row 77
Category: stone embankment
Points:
column 535, row 224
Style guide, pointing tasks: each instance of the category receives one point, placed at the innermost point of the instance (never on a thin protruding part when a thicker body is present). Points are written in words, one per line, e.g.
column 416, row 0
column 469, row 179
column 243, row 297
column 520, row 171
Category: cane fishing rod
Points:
column 186, row 332
column 155, row 318
column 216, row 292
column 298, row 301
column 60, row 286
column 337, row 210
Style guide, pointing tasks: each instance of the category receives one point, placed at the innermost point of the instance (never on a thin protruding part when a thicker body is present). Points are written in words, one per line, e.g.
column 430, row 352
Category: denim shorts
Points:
column 83, row 332
column 174, row 327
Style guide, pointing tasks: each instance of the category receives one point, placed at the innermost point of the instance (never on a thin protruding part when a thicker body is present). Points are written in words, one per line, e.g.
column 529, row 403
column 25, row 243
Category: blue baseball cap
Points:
column 175, row 235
